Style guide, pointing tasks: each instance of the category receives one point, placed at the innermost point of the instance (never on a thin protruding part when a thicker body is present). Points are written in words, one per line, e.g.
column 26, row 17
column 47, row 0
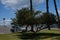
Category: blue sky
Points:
column 8, row 7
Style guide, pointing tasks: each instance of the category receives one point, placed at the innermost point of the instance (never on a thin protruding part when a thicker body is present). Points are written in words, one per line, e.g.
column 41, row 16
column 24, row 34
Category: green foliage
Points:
column 48, row 18
column 14, row 22
column 26, row 17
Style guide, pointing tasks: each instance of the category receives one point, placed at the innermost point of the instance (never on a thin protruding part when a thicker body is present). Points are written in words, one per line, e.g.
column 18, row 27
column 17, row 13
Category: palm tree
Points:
column 47, row 7
column 31, row 9
column 31, row 5
column 47, row 10
column 56, row 10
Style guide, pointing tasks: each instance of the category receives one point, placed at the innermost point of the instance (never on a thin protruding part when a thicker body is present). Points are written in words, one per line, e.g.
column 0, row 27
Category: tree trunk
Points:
column 15, row 30
column 31, row 9
column 32, row 30
column 48, row 27
column 47, row 7
column 56, row 12
column 31, row 5
column 36, row 28
column 26, row 27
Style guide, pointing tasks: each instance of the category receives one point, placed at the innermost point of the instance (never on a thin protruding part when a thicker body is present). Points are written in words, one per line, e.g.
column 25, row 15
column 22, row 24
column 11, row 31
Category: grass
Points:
column 42, row 35
column 9, row 36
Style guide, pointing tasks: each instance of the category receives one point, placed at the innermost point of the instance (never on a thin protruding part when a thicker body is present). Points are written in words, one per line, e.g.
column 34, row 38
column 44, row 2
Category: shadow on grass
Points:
column 38, row 36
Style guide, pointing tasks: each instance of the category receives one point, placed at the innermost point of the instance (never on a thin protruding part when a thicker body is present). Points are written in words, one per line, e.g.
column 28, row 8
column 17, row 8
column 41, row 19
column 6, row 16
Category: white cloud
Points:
column 38, row 1
column 7, row 22
column 16, row 4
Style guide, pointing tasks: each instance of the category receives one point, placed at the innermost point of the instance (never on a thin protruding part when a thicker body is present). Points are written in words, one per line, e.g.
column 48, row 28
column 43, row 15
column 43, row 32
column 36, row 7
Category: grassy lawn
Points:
column 42, row 35
column 9, row 36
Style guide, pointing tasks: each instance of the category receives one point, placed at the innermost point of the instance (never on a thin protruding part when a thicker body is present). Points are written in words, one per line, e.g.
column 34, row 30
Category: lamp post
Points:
column 4, row 25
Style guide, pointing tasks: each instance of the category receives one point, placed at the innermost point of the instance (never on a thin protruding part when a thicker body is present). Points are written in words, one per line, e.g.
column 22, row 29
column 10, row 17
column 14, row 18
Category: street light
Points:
column 4, row 21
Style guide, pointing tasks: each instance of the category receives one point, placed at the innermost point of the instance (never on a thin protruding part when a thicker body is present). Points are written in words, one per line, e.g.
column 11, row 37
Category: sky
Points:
column 9, row 7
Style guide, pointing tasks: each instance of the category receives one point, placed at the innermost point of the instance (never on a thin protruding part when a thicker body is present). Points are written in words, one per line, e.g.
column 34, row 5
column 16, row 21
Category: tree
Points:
column 57, row 15
column 31, row 9
column 14, row 24
column 33, row 21
column 48, row 18
column 24, row 17
column 47, row 6
column 47, row 10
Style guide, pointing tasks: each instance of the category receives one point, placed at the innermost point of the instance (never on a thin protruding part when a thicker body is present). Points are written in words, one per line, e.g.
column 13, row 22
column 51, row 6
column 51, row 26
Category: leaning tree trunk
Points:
column 47, row 10
column 56, row 12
